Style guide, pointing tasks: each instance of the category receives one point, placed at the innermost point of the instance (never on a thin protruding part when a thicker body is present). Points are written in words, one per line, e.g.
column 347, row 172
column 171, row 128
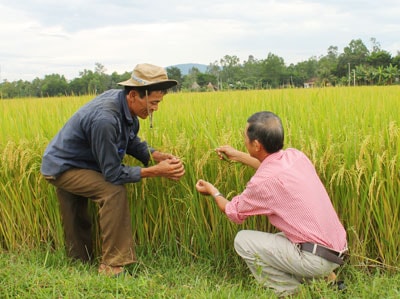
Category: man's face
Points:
column 143, row 107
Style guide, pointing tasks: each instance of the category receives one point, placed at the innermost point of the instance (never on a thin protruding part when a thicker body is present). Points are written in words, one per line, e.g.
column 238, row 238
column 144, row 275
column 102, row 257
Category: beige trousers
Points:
column 74, row 188
column 278, row 263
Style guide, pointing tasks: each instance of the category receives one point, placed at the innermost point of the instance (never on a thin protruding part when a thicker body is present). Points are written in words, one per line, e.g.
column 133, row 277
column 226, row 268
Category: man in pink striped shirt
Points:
column 286, row 189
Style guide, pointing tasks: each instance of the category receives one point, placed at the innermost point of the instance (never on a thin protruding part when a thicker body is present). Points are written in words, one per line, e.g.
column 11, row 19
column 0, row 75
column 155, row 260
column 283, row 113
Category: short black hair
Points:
column 266, row 127
column 142, row 89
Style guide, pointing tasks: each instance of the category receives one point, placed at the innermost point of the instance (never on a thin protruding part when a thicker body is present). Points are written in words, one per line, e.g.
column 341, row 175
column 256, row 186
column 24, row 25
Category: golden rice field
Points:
column 351, row 134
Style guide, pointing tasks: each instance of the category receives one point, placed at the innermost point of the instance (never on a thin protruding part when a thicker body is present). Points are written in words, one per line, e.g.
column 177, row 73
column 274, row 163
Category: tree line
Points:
column 356, row 65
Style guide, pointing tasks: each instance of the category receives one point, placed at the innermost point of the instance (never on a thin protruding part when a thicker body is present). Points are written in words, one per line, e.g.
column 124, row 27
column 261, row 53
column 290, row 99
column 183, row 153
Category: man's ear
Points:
column 257, row 145
column 132, row 93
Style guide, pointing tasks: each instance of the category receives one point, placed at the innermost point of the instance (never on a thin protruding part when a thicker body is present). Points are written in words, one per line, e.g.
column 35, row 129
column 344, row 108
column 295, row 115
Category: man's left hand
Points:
column 159, row 156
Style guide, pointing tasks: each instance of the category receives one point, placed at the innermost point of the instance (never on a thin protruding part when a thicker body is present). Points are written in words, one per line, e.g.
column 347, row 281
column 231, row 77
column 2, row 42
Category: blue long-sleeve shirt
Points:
column 97, row 137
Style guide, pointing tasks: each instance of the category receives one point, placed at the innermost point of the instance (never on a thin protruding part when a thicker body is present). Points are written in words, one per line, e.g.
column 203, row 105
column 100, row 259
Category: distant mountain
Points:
column 186, row 67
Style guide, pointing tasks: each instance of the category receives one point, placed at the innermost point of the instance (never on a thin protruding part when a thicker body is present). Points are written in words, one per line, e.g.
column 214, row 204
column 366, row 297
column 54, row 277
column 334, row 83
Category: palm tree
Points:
column 391, row 73
column 379, row 73
column 360, row 73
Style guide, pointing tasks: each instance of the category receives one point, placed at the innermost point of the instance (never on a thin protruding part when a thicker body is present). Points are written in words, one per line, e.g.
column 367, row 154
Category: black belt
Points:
column 326, row 253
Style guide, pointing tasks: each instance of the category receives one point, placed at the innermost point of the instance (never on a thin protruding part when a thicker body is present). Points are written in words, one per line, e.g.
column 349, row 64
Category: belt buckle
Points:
column 342, row 253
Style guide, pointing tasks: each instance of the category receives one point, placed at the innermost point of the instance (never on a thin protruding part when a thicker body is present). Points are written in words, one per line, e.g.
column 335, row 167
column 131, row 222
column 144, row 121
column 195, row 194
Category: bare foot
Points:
column 110, row 271
column 331, row 277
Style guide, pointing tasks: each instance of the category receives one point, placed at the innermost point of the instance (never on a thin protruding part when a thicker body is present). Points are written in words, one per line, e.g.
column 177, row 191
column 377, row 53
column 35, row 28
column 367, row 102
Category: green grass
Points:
column 49, row 274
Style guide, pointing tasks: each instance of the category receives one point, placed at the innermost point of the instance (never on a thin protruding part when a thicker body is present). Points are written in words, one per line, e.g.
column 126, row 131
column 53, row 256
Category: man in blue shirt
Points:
column 84, row 161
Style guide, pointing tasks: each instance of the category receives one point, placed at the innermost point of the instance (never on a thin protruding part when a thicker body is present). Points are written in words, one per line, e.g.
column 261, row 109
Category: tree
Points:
column 103, row 81
column 215, row 70
column 231, row 70
column 379, row 58
column 252, row 70
column 296, row 79
column 273, row 70
column 396, row 60
column 303, row 71
column 116, row 78
column 92, row 82
column 364, row 74
column 391, row 73
column 190, row 79
column 204, row 79
column 327, row 66
column 380, row 74
column 78, row 87
column 376, row 46
column 376, row 66
column 356, row 53
column 36, row 87
column 99, row 68
column 54, row 85
column 7, row 90
column 325, row 76
column 94, row 86
column 175, row 73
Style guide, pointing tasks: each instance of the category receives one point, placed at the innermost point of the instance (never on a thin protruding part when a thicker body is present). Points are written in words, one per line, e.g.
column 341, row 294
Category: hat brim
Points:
column 165, row 84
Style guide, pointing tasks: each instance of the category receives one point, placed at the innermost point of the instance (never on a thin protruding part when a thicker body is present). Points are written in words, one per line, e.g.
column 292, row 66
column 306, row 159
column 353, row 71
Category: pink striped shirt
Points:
column 287, row 189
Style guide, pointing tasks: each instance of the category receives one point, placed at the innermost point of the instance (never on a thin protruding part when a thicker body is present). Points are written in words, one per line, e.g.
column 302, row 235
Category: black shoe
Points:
column 340, row 285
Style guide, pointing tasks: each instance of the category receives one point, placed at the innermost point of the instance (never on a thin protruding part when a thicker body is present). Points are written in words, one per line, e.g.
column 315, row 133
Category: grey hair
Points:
column 266, row 127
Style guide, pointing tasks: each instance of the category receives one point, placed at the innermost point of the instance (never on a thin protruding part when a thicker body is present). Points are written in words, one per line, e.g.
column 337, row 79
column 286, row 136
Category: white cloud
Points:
column 65, row 37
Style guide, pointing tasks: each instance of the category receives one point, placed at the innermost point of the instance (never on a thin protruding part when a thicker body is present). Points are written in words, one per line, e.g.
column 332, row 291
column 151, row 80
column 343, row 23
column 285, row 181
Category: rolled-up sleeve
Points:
column 252, row 201
column 232, row 211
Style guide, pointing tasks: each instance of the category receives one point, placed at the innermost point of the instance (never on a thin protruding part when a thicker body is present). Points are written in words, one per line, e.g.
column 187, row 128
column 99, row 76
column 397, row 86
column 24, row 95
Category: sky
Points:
column 42, row 37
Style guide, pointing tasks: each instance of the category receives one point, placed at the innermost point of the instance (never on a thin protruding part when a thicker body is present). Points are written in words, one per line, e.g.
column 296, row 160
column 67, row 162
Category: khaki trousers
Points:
column 277, row 263
column 74, row 188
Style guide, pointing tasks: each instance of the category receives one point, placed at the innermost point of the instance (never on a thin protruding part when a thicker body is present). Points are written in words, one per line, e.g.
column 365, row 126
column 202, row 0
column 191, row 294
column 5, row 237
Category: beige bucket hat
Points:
column 146, row 74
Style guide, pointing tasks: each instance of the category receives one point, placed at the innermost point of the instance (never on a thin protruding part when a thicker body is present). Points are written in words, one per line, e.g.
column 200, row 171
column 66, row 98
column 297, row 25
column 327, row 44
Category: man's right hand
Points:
column 170, row 168
column 228, row 152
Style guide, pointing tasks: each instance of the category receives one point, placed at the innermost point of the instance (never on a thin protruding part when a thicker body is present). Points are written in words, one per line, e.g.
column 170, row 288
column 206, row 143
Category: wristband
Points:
column 218, row 194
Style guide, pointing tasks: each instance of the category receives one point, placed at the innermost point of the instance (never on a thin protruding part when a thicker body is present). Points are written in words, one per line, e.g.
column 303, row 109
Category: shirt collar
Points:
column 125, row 108
column 273, row 156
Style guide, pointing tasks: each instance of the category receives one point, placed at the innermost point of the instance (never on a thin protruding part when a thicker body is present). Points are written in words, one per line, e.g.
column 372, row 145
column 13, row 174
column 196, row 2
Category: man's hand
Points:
column 228, row 152
column 159, row 156
column 171, row 168
column 205, row 187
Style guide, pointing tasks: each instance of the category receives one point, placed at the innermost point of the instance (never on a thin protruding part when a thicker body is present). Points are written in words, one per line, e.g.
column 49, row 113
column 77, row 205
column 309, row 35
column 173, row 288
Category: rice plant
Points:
column 352, row 135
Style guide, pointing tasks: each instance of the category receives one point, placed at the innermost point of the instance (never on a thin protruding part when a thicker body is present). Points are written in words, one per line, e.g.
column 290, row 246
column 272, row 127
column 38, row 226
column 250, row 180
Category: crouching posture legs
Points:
column 277, row 263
